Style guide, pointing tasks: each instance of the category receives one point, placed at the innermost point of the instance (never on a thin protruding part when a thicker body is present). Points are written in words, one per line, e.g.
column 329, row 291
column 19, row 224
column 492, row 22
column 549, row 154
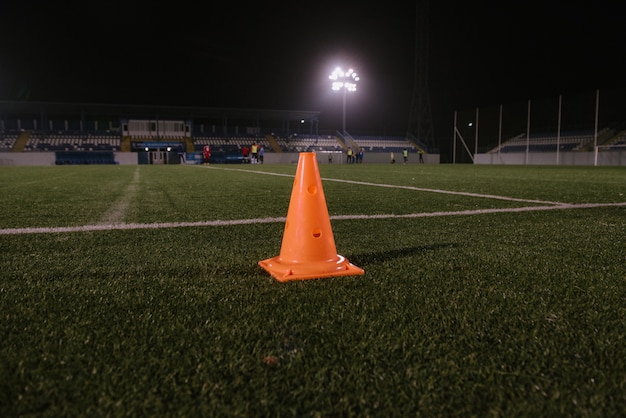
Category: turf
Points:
column 484, row 314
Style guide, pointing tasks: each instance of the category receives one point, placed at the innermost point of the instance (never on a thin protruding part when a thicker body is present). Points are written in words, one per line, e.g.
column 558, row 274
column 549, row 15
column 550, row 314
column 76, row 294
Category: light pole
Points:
column 346, row 81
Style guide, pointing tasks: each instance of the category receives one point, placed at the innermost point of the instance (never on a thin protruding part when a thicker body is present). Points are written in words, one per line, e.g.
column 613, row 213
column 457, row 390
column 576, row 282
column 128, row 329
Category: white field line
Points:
column 419, row 189
column 117, row 212
column 110, row 227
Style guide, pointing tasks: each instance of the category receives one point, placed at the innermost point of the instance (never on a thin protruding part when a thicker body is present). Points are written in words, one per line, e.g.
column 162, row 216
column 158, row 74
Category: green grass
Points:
column 495, row 314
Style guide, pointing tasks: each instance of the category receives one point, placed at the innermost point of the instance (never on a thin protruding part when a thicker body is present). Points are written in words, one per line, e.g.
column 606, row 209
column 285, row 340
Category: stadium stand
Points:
column 570, row 141
column 65, row 128
column 297, row 143
column 384, row 144
column 84, row 157
column 618, row 141
column 7, row 141
column 70, row 141
column 68, row 128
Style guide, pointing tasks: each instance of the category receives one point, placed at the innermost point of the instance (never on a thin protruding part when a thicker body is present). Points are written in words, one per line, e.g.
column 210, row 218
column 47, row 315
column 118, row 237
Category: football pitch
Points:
column 488, row 291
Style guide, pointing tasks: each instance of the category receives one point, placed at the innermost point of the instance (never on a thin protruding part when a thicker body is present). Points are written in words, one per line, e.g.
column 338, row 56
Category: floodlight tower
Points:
column 420, row 115
column 346, row 81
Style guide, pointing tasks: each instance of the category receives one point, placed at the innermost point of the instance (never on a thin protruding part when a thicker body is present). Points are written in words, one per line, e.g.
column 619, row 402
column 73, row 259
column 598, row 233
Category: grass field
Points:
column 488, row 291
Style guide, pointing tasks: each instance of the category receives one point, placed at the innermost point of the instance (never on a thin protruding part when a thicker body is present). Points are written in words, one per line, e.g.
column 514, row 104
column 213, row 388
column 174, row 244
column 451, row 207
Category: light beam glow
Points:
column 344, row 79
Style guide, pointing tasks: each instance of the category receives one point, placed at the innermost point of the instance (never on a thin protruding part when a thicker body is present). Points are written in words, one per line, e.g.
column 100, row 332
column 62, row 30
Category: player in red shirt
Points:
column 206, row 154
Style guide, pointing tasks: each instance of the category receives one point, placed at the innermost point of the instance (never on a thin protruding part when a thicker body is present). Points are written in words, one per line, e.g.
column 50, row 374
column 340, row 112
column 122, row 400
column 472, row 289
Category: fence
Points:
column 566, row 123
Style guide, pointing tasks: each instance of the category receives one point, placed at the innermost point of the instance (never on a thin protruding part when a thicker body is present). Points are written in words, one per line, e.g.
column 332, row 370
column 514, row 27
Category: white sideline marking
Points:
column 117, row 212
column 110, row 227
column 395, row 186
column 421, row 189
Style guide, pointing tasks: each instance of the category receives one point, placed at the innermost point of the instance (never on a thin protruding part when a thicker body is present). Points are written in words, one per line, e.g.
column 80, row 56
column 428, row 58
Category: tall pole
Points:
column 476, row 135
column 595, row 131
column 454, row 142
column 500, row 131
column 558, row 131
column 420, row 115
column 344, row 81
column 527, row 134
column 345, row 93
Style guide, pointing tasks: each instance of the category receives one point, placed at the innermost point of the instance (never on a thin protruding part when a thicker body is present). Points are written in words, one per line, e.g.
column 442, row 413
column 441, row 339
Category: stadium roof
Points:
column 8, row 108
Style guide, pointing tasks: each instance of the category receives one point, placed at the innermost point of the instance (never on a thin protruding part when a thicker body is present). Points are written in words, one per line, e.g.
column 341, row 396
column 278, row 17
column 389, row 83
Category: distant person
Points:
column 254, row 153
column 330, row 158
column 206, row 154
column 349, row 155
column 181, row 153
column 261, row 154
column 360, row 156
column 392, row 158
column 421, row 153
column 405, row 155
column 245, row 153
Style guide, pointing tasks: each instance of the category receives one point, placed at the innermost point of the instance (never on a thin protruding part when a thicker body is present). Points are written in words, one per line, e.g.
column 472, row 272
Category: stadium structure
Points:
column 35, row 133
column 38, row 133
column 582, row 128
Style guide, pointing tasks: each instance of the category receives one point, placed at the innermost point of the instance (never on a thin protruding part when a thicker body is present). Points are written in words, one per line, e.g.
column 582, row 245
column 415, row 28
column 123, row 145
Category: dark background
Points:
column 274, row 55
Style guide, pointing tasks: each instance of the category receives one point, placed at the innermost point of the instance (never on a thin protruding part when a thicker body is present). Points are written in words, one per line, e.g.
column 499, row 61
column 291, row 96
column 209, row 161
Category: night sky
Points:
column 273, row 55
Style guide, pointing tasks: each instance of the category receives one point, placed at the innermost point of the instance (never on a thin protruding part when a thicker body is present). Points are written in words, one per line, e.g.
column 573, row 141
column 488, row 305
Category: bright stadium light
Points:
column 346, row 81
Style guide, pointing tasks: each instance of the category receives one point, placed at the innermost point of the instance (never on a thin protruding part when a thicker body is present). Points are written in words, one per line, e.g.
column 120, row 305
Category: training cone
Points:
column 308, row 248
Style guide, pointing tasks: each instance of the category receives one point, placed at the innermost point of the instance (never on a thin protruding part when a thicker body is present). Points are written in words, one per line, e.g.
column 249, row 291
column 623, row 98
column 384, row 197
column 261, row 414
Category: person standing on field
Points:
column 181, row 153
column 254, row 152
column 206, row 154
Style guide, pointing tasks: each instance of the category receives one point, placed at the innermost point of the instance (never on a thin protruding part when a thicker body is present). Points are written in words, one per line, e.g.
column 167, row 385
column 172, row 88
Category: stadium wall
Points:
column 131, row 158
column 49, row 158
column 340, row 158
column 604, row 158
column 25, row 159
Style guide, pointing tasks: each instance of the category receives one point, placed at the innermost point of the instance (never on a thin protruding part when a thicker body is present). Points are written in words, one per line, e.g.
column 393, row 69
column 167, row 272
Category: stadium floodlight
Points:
column 346, row 81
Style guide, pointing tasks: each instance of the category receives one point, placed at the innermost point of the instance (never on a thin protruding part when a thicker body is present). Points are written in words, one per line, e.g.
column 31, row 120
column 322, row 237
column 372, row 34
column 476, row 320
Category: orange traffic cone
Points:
column 308, row 248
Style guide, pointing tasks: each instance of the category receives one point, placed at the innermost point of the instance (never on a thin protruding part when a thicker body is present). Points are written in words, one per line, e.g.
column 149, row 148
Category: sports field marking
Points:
column 113, row 218
column 422, row 189
column 419, row 189
column 117, row 226
column 117, row 212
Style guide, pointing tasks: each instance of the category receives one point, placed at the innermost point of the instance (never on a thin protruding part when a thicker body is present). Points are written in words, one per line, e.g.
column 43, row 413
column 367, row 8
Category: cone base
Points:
column 284, row 271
